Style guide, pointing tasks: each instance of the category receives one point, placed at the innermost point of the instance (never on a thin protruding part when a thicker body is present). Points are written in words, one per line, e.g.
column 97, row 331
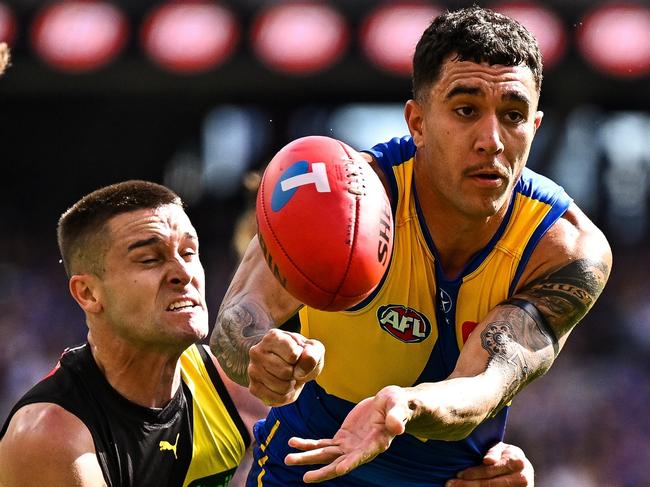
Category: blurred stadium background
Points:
column 194, row 94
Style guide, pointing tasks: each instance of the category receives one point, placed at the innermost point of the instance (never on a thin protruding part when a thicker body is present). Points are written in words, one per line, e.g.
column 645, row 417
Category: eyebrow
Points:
column 510, row 95
column 143, row 243
column 154, row 240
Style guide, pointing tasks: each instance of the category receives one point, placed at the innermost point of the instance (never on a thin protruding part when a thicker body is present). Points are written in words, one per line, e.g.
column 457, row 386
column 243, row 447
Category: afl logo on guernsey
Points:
column 298, row 175
column 405, row 324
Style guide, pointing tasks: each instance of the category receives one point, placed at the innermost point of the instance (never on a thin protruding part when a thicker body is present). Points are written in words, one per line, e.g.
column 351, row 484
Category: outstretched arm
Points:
column 515, row 343
column 273, row 363
column 519, row 339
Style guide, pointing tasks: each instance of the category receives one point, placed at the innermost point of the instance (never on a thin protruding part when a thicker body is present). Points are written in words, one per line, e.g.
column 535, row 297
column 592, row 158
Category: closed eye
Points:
column 189, row 254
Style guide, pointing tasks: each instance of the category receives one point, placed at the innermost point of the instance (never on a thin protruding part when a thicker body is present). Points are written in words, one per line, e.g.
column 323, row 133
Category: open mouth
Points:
column 182, row 305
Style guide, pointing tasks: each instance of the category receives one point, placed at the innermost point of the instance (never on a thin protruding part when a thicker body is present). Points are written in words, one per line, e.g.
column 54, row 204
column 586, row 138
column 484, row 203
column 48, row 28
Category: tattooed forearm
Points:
column 239, row 326
column 518, row 348
column 565, row 295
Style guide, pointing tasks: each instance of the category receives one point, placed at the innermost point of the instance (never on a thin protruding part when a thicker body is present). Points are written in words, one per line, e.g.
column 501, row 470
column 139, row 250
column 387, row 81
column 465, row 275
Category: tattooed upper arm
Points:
column 565, row 295
column 523, row 335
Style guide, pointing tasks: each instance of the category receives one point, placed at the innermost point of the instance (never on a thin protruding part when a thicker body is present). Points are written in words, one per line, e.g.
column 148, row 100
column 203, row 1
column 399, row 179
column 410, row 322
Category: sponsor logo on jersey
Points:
column 404, row 323
column 296, row 176
column 385, row 231
column 445, row 301
column 167, row 446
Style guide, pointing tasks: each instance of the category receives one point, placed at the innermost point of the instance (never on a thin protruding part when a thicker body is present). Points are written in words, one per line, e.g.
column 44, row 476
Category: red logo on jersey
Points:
column 405, row 324
column 467, row 329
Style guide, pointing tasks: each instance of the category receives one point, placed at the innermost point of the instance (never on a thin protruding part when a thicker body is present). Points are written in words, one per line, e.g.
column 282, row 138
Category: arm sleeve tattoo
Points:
column 565, row 295
column 239, row 326
column 522, row 339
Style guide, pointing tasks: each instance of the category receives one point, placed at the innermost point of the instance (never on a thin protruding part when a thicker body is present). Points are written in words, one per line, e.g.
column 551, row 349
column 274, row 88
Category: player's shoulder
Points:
column 573, row 238
column 50, row 437
column 43, row 425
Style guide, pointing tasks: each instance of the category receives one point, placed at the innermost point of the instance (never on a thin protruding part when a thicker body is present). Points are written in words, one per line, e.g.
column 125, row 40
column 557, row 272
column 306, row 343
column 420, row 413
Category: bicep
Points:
column 565, row 295
column 53, row 440
column 519, row 339
column 569, row 271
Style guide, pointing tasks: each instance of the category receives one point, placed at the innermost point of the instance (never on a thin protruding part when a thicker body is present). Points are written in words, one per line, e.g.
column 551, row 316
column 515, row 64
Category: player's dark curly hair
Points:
column 473, row 34
column 81, row 232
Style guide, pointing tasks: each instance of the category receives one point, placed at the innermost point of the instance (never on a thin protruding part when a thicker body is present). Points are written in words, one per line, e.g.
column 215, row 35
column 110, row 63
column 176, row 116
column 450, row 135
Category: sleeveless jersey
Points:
column 413, row 326
column 197, row 440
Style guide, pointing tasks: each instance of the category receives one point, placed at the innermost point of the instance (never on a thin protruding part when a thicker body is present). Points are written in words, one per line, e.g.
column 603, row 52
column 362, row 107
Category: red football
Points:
column 324, row 223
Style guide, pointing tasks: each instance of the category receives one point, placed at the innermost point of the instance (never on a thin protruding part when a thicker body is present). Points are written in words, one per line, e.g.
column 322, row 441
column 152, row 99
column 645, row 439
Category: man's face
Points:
column 153, row 285
column 473, row 131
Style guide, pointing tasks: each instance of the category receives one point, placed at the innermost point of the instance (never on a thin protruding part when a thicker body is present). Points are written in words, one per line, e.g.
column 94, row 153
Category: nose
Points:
column 180, row 272
column 488, row 139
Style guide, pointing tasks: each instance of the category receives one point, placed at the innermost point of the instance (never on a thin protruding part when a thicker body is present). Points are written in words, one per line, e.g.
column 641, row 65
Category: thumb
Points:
column 396, row 418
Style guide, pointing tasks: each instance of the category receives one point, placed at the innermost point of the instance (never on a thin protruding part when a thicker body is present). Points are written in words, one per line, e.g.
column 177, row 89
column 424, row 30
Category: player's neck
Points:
column 457, row 236
column 145, row 377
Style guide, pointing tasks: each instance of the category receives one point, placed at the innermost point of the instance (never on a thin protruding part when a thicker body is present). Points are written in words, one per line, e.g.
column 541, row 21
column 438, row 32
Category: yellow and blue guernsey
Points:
column 409, row 331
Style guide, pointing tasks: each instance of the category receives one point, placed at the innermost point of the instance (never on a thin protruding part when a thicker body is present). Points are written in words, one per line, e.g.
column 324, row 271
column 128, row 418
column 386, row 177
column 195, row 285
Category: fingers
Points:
column 494, row 454
column 337, row 463
column 311, row 361
column 315, row 452
column 503, row 466
column 281, row 363
column 286, row 346
column 327, row 472
column 512, row 480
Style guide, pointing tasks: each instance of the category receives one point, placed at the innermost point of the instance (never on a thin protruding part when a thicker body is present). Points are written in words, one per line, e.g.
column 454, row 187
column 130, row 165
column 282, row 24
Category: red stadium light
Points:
column 7, row 24
column 79, row 36
column 616, row 40
column 300, row 38
column 389, row 34
column 189, row 37
column 545, row 25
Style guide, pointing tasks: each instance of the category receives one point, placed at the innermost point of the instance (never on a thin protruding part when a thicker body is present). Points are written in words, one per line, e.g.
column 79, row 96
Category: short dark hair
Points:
column 81, row 232
column 473, row 34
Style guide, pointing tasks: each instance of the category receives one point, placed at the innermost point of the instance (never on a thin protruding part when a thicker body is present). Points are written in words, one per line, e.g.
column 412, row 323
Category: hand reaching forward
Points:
column 367, row 431
column 503, row 466
column 280, row 365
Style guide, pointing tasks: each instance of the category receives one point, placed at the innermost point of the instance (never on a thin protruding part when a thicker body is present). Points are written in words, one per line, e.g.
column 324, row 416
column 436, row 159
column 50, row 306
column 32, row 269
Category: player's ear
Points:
column 86, row 291
column 538, row 119
column 414, row 119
